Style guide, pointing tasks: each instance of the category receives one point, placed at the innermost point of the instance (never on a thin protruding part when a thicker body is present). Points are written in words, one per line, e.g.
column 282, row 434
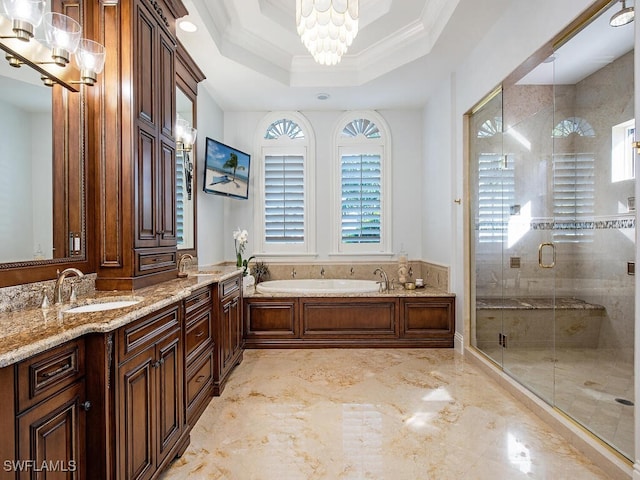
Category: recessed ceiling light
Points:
column 187, row 26
column 323, row 96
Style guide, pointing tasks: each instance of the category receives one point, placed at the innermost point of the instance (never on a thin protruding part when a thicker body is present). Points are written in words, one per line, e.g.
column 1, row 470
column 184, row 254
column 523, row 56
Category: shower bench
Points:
column 538, row 322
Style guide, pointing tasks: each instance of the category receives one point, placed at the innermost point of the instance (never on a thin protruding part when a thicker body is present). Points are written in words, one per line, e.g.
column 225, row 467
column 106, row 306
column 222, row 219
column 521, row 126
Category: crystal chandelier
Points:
column 327, row 27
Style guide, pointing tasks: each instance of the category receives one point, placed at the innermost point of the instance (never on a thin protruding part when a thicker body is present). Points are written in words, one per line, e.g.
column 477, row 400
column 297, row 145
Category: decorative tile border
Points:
column 596, row 224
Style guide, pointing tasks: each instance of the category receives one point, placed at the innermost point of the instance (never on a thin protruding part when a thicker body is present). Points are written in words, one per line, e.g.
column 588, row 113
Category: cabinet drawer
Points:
column 154, row 260
column 197, row 300
column 199, row 378
column 49, row 372
column 141, row 333
column 229, row 286
column 198, row 334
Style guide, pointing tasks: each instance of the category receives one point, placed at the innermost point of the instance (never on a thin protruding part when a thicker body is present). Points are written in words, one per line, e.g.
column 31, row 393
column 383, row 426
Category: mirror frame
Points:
column 71, row 188
column 188, row 75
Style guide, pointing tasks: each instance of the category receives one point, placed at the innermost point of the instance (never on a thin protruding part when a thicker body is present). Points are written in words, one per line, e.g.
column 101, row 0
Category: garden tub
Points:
column 318, row 286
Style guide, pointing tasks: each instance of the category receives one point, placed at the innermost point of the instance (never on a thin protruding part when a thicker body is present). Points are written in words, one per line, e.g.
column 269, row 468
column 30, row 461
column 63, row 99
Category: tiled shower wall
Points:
column 591, row 266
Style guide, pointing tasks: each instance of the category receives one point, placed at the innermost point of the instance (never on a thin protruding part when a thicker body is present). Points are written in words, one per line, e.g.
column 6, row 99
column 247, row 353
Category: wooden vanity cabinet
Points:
column 199, row 352
column 149, row 394
column 228, row 337
column 43, row 415
column 134, row 144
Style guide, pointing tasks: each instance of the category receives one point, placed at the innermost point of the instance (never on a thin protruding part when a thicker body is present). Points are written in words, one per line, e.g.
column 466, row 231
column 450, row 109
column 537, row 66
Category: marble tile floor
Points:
column 400, row 414
column 582, row 382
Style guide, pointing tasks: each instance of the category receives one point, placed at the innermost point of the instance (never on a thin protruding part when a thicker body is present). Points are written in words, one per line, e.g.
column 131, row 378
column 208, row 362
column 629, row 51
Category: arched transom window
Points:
column 362, row 176
column 285, row 176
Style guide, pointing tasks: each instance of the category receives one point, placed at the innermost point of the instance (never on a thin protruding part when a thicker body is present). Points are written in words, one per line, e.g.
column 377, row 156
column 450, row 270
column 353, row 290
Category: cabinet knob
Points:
column 157, row 363
column 85, row 405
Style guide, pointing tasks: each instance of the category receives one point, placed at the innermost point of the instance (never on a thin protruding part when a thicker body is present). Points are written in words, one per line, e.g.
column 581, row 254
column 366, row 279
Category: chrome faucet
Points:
column 181, row 264
column 322, row 272
column 67, row 272
column 293, row 272
column 384, row 284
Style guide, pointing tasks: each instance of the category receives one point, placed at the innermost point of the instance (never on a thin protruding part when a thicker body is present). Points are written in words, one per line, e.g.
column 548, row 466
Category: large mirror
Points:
column 26, row 152
column 185, row 167
column 43, row 187
column 188, row 75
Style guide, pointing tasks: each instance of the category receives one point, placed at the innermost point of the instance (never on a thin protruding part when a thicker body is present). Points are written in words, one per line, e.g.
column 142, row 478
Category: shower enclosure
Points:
column 552, row 182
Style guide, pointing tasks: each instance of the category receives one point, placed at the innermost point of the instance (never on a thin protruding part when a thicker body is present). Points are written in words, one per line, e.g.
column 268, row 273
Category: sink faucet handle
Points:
column 45, row 299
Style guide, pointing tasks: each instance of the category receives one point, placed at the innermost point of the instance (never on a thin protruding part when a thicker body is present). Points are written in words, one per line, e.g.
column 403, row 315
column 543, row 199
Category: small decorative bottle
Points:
column 403, row 267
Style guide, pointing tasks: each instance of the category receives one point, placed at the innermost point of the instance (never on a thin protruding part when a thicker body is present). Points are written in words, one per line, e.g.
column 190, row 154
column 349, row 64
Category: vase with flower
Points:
column 240, row 239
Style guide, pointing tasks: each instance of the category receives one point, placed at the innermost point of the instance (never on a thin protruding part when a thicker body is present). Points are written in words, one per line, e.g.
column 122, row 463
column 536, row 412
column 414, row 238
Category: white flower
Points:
column 241, row 236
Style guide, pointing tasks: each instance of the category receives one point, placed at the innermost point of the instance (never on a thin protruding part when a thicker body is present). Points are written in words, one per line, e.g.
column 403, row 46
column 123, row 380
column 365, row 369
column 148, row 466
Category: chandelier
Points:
column 327, row 27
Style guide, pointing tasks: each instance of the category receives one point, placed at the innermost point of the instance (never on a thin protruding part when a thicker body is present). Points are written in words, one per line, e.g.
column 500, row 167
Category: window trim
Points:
column 380, row 145
column 285, row 145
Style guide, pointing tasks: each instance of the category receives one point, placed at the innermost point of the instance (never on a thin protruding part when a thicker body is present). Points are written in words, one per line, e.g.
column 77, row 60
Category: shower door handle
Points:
column 540, row 251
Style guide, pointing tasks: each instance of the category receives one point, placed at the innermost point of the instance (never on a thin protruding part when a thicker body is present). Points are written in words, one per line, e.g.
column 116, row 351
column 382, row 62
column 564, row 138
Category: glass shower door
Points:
column 594, row 229
column 490, row 202
column 528, row 250
column 552, row 181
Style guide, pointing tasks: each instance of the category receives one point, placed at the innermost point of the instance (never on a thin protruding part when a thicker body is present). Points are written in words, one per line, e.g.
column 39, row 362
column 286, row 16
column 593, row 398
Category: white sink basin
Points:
column 101, row 306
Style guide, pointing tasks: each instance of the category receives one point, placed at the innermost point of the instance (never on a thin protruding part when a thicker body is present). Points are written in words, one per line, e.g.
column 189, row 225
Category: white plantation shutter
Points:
column 573, row 197
column 285, row 214
column 496, row 195
column 361, row 210
column 180, row 199
column 284, row 206
column 361, row 198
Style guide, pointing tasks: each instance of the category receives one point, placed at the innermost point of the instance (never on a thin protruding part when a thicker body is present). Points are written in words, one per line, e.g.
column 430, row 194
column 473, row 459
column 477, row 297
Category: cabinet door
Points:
column 146, row 185
column 236, row 326
column 137, row 417
column 166, row 84
column 169, row 371
column 146, row 66
column 53, row 434
column 226, row 342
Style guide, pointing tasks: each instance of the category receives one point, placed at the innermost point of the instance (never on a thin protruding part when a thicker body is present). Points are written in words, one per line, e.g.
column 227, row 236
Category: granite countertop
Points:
column 535, row 303
column 396, row 292
column 24, row 333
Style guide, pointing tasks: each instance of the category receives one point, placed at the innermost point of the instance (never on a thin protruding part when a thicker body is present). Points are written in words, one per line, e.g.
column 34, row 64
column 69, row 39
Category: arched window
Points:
column 286, row 224
column 362, row 173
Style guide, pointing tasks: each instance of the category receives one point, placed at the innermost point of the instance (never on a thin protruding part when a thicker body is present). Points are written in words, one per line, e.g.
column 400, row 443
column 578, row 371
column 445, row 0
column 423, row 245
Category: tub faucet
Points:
column 384, row 284
column 322, row 272
column 293, row 272
column 181, row 264
column 57, row 291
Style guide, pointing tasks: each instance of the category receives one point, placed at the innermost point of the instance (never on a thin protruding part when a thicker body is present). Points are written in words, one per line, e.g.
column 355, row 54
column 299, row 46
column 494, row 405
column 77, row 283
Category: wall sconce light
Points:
column 185, row 139
column 49, row 55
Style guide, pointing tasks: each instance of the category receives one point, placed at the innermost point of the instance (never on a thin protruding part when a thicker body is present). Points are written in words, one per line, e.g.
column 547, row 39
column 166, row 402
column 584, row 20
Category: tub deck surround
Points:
column 396, row 292
column 24, row 333
column 419, row 318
